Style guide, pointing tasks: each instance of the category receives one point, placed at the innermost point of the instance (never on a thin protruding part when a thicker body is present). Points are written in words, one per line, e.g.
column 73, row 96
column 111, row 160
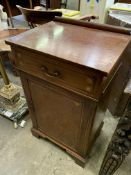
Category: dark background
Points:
column 13, row 3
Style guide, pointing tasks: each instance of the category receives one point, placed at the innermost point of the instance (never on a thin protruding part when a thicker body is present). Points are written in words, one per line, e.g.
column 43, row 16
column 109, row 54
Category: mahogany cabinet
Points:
column 66, row 70
column 55, row 4
column 123, row 1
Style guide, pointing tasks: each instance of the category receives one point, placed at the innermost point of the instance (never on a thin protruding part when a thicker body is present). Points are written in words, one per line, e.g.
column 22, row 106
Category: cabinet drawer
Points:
column 57, row 72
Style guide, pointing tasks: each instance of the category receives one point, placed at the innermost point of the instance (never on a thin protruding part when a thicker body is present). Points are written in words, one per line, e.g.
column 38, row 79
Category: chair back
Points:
column 34, row 17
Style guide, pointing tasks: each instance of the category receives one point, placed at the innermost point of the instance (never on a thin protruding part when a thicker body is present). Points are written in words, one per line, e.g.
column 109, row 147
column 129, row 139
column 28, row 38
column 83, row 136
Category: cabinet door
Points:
column 54, row 4
column 58, row 113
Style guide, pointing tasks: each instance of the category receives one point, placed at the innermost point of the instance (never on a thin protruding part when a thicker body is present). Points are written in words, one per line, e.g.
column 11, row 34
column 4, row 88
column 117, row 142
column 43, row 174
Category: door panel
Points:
column 58, row 114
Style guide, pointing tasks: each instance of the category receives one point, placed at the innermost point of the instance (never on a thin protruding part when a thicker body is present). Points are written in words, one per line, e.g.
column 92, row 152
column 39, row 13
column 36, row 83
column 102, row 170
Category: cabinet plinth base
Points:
column 78, row 158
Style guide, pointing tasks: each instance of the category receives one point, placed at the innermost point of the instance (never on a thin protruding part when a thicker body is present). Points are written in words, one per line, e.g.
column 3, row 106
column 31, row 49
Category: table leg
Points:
column 9, row 12
column 79, row 4
column 31, row 5
column 47, row 4
column 118, row 148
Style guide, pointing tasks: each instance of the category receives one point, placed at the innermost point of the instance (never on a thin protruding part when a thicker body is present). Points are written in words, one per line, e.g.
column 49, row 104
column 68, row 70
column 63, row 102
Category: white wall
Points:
column 104, row 6
column 89, row 8
column 73, row 4
column 94, row 8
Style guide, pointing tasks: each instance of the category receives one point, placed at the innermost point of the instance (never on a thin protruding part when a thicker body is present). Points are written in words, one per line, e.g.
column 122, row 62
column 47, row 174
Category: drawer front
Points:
column 58, row 73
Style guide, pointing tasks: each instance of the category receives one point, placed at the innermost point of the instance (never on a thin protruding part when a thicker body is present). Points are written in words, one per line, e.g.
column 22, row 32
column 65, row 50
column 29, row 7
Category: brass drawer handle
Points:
column 49, row 74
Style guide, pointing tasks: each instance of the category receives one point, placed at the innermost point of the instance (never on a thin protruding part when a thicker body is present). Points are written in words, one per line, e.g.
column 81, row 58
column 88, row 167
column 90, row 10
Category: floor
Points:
column 23, row 154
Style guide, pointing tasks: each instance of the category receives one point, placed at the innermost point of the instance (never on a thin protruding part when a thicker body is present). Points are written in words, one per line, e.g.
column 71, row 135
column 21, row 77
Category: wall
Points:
column 73, row 4
column 92, row 7
column 105, row 5
column 89, row 8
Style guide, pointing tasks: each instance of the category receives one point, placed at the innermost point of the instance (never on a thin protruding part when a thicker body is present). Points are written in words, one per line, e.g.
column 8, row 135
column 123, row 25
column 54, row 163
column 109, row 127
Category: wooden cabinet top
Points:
column 93, row 48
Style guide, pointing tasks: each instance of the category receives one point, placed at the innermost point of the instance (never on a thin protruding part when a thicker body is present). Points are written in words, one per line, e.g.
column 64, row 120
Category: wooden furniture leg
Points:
column 9, row 12
column 79, row 5
column 120, row 144
column 31, row 5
